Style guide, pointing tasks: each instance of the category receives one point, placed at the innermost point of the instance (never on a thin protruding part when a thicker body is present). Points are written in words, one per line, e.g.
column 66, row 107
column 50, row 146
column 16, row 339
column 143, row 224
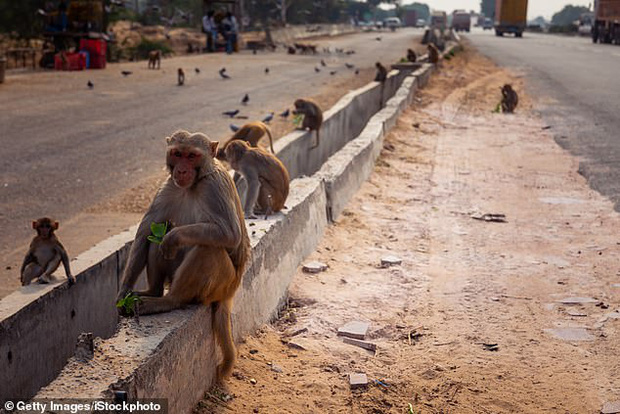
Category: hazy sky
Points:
column 535, row 8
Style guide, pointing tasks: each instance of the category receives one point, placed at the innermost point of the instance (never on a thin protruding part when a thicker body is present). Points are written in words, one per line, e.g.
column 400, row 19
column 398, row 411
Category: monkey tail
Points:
column 223, row 334
column 268, row 130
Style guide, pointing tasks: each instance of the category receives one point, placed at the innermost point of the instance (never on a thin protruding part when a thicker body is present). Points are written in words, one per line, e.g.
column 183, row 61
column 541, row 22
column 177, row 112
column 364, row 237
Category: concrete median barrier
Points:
column 172, row 355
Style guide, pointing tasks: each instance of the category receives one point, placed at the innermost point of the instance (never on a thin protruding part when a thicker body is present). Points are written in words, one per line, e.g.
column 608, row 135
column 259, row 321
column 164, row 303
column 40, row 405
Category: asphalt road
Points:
column 578, row 84
column 65, row 147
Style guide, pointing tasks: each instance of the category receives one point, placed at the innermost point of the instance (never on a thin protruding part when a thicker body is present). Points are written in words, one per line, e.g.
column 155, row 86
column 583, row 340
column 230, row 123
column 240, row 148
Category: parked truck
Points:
column 461, row 21
column 510, row 17
column 606, row 27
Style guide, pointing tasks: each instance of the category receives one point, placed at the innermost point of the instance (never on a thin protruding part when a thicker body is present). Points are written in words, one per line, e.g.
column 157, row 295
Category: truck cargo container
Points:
column 510, row 17
column 410, row 18
column 461, row 21
column 606, row 27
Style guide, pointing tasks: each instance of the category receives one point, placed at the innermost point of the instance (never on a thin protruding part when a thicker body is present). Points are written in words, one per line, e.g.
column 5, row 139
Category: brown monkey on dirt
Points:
column 251, row 132
column 204, row 254
column 411, row 56
column 510, row 99
column 313, row 116
column 45, row 254
column 266, row 178
column 180, row 76
column 433, row 54
column 154, row 57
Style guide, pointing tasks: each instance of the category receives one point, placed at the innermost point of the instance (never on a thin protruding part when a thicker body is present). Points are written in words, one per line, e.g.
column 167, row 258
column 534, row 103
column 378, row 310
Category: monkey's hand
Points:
column 122, row 292
column 170, row 245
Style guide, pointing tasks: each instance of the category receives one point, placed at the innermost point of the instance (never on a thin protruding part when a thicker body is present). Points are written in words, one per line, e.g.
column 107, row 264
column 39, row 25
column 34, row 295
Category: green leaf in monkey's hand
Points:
column 128, row 304
column 158, row 231
column 298, row 120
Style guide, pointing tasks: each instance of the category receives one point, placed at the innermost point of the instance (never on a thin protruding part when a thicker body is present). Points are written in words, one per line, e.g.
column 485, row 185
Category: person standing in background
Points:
column 210, row 29
column 231, row 28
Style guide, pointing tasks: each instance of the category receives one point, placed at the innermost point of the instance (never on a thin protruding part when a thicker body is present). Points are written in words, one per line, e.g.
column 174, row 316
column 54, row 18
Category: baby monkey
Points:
column 313, row 116
column 510, row 99
column 180, row 76
column 45, row 254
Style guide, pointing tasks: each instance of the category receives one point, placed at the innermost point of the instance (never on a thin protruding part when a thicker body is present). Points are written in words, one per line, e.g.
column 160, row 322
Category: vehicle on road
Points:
column 420, row 23
column 606, row 28
column 487, row 24
column 392, row 23
column 410, row 17
column 510, row 17
column 584, row 24
column 461, row 21
column 439, row 20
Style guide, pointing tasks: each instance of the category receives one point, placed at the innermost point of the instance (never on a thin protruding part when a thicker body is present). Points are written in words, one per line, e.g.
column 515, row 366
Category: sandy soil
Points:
column 477, row 319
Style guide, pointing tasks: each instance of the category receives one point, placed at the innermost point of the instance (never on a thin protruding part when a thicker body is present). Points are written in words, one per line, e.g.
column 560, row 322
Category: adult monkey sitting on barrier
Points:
column 313, row 116
column 204, row 254
column 251, row 132
column 266, row 180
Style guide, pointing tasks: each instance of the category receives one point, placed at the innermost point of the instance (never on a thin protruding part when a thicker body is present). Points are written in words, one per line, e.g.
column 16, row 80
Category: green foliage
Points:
column 128, row 304
column 568, row 15
column 158, row 231
column 487, row 7
column 142, row 50
column 297, row 120
column 20, row 18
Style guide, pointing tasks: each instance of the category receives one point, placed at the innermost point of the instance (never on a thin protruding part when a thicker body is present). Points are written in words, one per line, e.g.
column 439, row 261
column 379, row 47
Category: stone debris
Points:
column 576, row 313
column 85, row 347
column 570, row 334
column 612, row 407
column 388, row 261
column 314, row 267
column 362, row 344
column 276, row 368
column 574, row 300
column 354, row 329
column 358, row 380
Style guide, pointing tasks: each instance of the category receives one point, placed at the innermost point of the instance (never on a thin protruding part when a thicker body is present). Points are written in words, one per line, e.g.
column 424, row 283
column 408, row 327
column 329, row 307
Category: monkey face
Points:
column 45, row 227
column 300, row 107
column 184, row 165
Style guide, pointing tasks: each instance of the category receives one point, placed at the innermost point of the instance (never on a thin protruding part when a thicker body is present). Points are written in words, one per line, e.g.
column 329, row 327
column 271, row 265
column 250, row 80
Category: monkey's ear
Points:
column 213, row 148
column 168, row 140
column 55, row 225
column 34, row 224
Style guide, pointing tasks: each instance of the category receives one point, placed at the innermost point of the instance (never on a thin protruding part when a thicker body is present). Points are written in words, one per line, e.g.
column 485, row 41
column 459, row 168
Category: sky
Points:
column 535, row 8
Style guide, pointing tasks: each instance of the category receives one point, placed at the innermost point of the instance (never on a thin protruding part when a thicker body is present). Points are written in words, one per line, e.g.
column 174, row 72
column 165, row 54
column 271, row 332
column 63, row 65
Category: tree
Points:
column 568, row 15
column 487, row 7
column 21, row 18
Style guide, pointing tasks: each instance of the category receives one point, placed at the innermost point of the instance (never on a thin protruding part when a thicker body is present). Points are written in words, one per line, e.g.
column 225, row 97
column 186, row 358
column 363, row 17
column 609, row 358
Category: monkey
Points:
column 204, row 255
column 251, row 132
column 411, row 56
column 180, row 76
column 266, row 178
column 381, row 77
column 510, row 99
column 382, row 73
column 154, row 57
column 313, row 116
column 291, row 50
column 45, row 254
column 433, row 54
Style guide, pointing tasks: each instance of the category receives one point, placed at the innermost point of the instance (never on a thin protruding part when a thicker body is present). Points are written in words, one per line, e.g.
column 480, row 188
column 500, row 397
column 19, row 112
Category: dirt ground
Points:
column 481, row 317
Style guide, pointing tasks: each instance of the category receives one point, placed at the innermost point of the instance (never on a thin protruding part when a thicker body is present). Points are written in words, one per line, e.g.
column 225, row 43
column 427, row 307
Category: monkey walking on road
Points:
column 45, row 254
column 154, row 58
column 180, row 77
